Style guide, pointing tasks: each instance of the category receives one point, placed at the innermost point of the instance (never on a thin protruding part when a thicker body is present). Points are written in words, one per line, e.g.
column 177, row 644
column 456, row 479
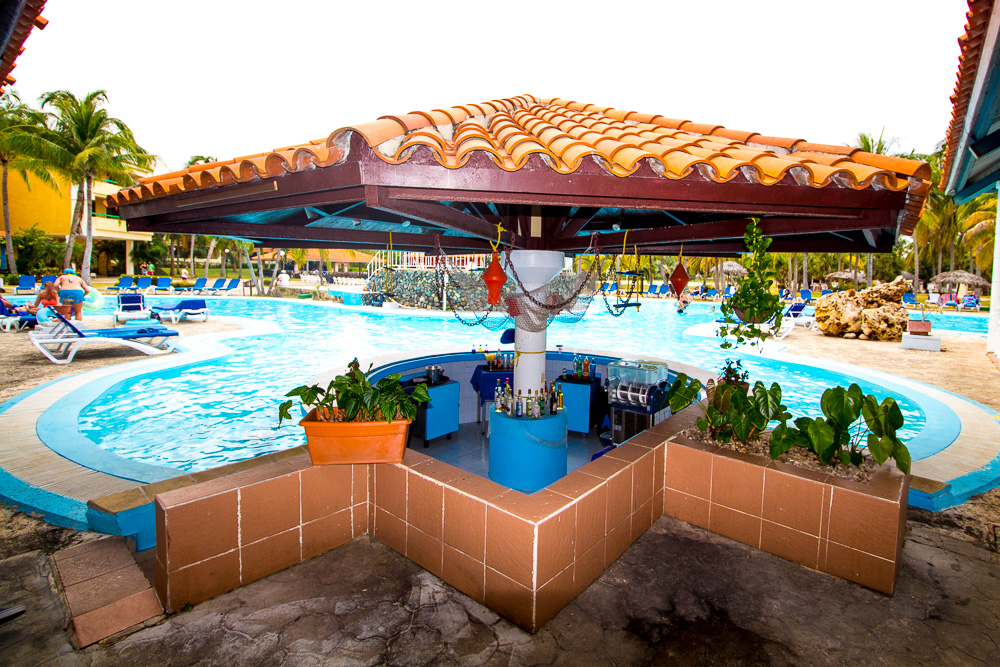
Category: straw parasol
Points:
column 949, row 278
column 847, row 275
column 731, row 268
column 907, row 275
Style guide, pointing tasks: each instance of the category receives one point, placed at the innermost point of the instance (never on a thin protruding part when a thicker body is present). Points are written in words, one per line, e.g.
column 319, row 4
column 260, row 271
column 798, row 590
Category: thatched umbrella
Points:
column 907, row 275
column 949, row 278
column 731, row 268
column 847, row 275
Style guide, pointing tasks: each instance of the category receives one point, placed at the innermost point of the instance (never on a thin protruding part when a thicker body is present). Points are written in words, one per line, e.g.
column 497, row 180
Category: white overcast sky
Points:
column 232, row 78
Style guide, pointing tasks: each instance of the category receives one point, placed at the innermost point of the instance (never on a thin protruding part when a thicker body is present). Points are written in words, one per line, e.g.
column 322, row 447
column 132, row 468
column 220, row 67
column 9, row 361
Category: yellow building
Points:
column 38, row 203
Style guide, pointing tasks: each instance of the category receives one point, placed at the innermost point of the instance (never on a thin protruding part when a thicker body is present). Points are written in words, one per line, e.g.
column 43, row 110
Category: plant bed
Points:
column 918, row 327
column 332, row 443
column 853, row 530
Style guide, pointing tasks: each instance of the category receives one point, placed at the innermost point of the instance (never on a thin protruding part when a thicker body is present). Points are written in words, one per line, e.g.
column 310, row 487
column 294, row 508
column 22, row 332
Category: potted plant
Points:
column 354, row 421
column 732, row 372
column 753, row 304
column 921, row 327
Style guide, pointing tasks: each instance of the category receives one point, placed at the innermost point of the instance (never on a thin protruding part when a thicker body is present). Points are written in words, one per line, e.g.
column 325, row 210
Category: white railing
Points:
column 399, row 260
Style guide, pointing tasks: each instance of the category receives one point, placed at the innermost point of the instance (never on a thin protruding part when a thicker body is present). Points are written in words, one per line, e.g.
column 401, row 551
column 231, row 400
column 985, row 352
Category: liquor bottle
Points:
column 536, row 406
column 560, row 397
column 519, row 405
column 553, row 401
column 498, row 398
column 508, row 401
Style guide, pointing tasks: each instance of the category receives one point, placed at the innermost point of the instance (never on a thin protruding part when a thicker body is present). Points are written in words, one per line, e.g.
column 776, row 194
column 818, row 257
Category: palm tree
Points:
column 15, row 121
column 979, row 232
column 83, row 143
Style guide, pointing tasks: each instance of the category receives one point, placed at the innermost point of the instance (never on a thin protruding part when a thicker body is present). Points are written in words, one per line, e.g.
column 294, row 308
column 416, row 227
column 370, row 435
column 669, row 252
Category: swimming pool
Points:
column 225, row 410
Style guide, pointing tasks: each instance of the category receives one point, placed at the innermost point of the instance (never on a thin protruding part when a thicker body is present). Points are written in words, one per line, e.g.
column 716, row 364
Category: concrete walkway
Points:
column 679, row 595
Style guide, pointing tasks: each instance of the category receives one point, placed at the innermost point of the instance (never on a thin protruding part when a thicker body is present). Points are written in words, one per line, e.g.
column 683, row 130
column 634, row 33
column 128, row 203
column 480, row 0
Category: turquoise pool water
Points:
column 198, row 417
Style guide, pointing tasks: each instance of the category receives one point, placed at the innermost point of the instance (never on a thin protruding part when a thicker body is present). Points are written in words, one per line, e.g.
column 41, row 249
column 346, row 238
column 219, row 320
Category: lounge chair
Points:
column 60, row 343
column 46, row 279
column 970, row 301
column 141, row 285
column 197, row 288
column 233, row 283
column 131, row 307
column 711, row 294
column 182, row 310
column 729, row 293
column 910, row 300
column 653, row 290
column 664, row 289
column 163, row 285
column 950, row 301
column 26, row 283
column 785, row 294
column 11, row 321
column 806, row 296
column 124, row 283
column 214, row 287
column 796, row 315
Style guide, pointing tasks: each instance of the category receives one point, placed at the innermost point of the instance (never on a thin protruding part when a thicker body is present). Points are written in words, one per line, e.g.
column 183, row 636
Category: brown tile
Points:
column 268, row 508
column 659, row 461
column 261, row 473
column 648, row 439
column 553, row 596
column 824, row 529
column 618, row 540
column 865, row 523
column 689, row 470
column 123, row 500
column 105, row 589
column 642, row 520
column 270, row 555
column 464, row 573
column 424, row 550
column 104, row 555
column 603, row 467
column 201, row 529
column 738, row 484
column 439, row 470
column 791, row 544
column 509, row 598
column 412, row 457
column 619, row 497
column 510, row 545
column 686, row 508
column 588, row 567
column 295, row 455
column 106, row 621
column 359, row 485
column 199, row 491
column 390, row 489
column 156, row 488
column 556, row 544
column 591, row 519
column 390, row 530
column 424, row 504
column 325, row 490
column 887, row 483
column 735, row 525
column 535, row 507
column 575, row 484
column 82, row 548
column 465, row 523
column 642, row 480
column 201, row 581
column 793, row 501
column 797, row 471
column 160, row 582
column 628, row 452
column 865, row 569
column 478, row 487
column 361, row 518
column 658, row 505
column 325, row 533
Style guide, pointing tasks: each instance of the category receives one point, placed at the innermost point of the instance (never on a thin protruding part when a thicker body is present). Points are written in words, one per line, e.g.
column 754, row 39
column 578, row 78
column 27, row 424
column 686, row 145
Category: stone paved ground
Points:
column 680, row 595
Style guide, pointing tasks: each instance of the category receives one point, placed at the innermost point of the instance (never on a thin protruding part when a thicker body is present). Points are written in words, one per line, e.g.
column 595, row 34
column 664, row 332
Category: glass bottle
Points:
column 560, row 396
column 498, row 397
column 593, row 369
column 553, row 401
column 586, row 367
column 519, row 406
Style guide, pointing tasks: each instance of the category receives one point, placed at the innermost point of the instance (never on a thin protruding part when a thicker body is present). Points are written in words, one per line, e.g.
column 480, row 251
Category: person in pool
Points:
column 683, row 301
column 72, row 292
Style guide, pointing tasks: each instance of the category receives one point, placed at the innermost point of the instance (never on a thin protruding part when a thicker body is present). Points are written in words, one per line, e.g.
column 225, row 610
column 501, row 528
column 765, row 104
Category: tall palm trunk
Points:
column 11, row 258
column 260, row 272
column 89, row 247
column 74, row 226
column 805, row 271
column 173, row 254
column 840, row 261
column 253, row 278
column 191, row 253
column 916, row 266
column 208, row 257
column 871, row 269
column 951, row 255
column 274, row 274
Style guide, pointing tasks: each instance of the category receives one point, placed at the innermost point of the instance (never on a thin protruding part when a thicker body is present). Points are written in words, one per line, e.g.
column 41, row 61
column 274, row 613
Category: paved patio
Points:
column 679, row 595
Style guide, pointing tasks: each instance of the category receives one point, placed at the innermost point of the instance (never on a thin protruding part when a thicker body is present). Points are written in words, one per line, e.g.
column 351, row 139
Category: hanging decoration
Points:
column 494, row 276
column 679, row 278
column 633, row 279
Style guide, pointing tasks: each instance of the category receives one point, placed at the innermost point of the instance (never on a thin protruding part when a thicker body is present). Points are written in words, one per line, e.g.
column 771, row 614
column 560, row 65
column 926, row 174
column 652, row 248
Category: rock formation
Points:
column 876, row 313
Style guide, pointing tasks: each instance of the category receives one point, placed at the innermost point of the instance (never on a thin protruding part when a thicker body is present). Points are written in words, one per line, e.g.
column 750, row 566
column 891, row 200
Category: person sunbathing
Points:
column 47, row 297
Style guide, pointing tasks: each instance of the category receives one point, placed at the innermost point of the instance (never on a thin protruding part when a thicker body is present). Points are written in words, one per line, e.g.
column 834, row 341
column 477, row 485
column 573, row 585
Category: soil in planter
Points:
column 796, row 456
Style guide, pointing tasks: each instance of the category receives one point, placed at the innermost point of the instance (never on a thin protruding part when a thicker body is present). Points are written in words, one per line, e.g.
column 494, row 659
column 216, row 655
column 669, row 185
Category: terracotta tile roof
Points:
column 977, row 22
column 15, row 25
column 564, row 134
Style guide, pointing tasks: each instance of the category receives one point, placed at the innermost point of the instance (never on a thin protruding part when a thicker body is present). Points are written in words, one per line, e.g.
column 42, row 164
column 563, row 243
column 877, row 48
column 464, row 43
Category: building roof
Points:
column 972, row 158
column 565, row 143
column 17, row 18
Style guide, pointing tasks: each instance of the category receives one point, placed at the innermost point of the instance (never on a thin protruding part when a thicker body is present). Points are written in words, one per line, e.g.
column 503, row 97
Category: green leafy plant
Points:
column 352, row 397
column 753, row 303
column 732, row 372
column 840, row 436
column 683, row 392
column 731, row 413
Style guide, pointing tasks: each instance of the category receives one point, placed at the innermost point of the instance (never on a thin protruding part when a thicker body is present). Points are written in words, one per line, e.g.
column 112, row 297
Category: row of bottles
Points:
column 533, row 406
column 583, row 367
column 496, row 361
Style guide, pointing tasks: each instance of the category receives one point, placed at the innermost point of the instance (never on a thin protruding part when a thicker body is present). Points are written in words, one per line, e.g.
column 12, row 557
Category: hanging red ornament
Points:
column 495, row 279
column 679, row 278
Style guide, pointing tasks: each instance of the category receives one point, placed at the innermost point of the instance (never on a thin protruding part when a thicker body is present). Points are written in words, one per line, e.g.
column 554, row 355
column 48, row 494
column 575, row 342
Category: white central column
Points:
column 534, row 268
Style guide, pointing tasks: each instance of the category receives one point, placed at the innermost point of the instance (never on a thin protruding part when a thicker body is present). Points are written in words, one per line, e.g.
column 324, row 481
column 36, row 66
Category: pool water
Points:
column 225, row 410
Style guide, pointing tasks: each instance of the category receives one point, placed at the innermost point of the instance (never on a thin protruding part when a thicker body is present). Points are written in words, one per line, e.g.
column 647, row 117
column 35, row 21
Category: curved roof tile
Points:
column 565, row 133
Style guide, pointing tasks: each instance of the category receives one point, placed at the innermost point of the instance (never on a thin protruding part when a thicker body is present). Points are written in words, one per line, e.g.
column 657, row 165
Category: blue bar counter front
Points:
column 528, row 454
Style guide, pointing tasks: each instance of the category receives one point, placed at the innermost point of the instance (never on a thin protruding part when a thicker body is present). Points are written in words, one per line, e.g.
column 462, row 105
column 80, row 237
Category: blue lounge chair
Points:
column 653, row 290
column 214, row 287
column 233, row 283
column 711, row 294
column 182, row 310
column 910, row 300
column 124, row 283
column 784, row 294
column 729, row 293
column 11, row 321
column 46, row 279
column 806, row 296
column 163, row 285
column 60, row 343
column 825, row 292
column 970, row 301
column 664, row 288
column 223, row 288
column 26, row 283
column 131, row 307
column 197, row 288
column 796, row 315
column 141, row 285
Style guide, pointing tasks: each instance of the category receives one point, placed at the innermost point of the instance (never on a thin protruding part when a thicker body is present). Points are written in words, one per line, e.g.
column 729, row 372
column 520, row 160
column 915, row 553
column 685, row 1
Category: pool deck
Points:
column 46, row 470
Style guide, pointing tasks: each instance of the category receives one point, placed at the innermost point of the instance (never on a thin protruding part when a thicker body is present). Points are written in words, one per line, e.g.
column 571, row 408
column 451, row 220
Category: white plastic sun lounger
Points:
column 60, row 343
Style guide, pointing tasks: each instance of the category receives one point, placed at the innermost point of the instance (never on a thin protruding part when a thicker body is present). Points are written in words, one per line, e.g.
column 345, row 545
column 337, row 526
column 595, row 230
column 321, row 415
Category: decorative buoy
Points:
column 495, row 279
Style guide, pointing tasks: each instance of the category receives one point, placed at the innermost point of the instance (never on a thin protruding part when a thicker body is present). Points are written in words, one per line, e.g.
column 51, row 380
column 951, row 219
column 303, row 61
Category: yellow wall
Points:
column 41, row 204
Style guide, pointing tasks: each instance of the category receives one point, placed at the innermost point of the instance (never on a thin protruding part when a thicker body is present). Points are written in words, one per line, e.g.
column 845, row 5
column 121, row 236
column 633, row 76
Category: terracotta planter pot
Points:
column 919, row 327
column 332, row 443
